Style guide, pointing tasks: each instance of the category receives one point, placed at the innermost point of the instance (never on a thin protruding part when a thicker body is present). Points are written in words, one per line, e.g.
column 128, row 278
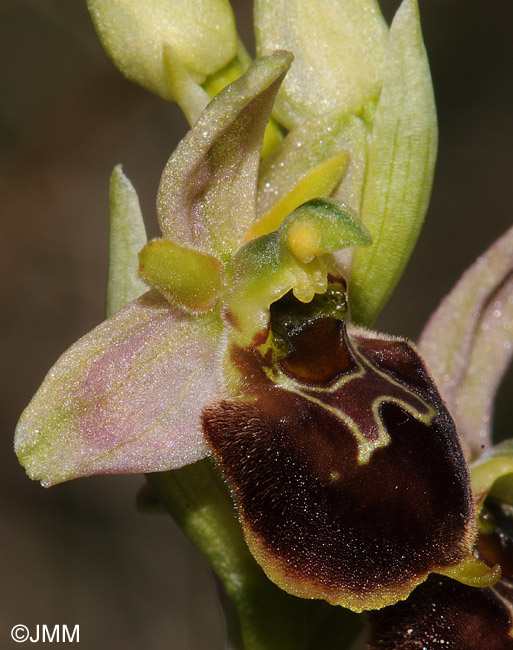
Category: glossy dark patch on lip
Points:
column 321, row 522
column 442, row 613
column 317, row 355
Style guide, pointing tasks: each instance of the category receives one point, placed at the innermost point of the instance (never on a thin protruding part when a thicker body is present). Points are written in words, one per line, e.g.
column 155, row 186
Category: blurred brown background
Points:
column 79, row 553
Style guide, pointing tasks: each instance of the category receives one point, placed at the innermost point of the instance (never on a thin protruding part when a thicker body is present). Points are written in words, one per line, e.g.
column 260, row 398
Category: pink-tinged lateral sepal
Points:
column 468, row 342
column 125, row 398
column 344, row 462
column 443, row 613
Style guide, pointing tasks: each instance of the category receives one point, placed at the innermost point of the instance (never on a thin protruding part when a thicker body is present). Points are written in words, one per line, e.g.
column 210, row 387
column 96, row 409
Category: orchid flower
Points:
column 247, row 374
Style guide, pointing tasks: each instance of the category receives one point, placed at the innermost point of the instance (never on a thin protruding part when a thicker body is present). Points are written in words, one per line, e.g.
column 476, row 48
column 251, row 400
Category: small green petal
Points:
column 291, row 258
column 496, row 463
column 207, row 193
column 318, row 181
column 127, row 237
column 134, row 32
column 187, row 278
column 468, row 342
column 400, row 168
column 315, row 159
column 339, row 48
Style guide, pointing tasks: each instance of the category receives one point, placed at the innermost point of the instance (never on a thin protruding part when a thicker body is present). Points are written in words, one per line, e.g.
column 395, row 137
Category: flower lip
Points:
column 444, row 613
column 355, row 506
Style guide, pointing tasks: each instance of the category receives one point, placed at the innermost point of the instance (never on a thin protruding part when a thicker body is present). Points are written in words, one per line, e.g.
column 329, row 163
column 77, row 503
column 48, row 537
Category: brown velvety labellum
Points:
column 345, row 466
column 443, row 613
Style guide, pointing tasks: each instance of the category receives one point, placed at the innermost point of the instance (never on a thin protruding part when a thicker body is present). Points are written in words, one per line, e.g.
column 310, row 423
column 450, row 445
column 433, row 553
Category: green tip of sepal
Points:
column 295, row 257
column 127, row 236
column 187, row 278
column 400, row 167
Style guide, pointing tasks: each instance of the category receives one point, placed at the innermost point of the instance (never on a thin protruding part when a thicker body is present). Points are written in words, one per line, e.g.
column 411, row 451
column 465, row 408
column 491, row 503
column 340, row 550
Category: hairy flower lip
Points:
column 444, row 613
column 281, row 435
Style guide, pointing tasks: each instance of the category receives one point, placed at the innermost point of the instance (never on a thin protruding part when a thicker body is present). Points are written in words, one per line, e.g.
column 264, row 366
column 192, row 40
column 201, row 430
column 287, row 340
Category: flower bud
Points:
column 201, row 34
column 339, row 49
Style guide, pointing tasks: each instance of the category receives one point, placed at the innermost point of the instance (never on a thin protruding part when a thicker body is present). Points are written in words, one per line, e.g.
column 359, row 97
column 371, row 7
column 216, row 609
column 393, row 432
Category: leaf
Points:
column 207, row 193
column 400, row 167
column 468, row 342
column 127, row 235
column 125, row 398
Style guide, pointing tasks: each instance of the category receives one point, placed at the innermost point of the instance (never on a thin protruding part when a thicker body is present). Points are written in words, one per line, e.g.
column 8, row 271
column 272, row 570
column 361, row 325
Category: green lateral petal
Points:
column 496, row 463
column 133, row 32
column 127, row 237
column 291, row 258
column 187, row 278
column 339, row 47
column 468, row 342
column 314, row 160
column 400, row 168
column 127, row 397
column 207, row 193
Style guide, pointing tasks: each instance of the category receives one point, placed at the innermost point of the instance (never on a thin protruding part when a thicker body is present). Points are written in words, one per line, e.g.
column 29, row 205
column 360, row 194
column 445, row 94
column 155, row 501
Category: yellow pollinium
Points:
column 303, row 241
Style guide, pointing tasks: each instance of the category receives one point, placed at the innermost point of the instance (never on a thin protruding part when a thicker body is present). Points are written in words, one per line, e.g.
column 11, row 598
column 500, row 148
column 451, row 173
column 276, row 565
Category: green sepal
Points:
column 400, row 167
column 207, row 193
column 187, row 278
column 127, row 235
column 294, row 257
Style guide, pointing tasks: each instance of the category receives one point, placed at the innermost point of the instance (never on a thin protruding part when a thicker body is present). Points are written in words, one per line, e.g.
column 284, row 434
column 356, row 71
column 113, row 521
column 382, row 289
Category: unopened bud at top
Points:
column 134, row 33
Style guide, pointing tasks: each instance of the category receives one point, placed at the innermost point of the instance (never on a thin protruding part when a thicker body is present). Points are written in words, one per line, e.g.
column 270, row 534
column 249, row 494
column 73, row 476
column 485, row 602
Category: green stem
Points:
column 269, row 619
